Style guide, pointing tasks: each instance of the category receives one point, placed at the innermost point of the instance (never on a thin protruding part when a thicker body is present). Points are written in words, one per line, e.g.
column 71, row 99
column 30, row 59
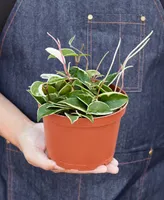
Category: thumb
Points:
column 38, row 158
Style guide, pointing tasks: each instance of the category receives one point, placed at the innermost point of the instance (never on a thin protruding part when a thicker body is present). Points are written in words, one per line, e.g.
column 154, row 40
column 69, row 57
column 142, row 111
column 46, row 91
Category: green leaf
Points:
column 60, row 84
column 114, row 100
column 80, row 74
column 75, row 103
column 106, row 88
column 68, row 52
column 55, row 79
column 71, row 40
column 44, row 111
column 110, row 78
column 91, row 73
column 87, row 116
column 85, row 98
column 83, row 54
column 58, row 105
column 57, row 99
column 39, row 100
column 50, row 56
column 65, row 90
column 90, row 117
column 48, row 89
column 61, row 73
column 80, row 85
column 98, row 108
column 75, row 93
column 52, row 96
column 72, row 118
column 34, row 88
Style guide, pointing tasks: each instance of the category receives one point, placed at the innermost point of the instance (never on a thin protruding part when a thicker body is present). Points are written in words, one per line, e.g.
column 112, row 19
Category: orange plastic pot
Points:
column 83, row 145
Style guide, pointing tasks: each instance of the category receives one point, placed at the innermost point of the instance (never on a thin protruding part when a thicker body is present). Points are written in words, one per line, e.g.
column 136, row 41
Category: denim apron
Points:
column 97, row 24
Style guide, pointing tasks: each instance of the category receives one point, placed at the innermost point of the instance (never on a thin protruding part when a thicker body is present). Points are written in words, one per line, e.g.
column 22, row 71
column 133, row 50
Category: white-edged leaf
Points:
column 71, row 40
column 40, row 100
column 114, row 100
column 34, row 88
column 43, row 111
column 47, row 76
column 75, row 103
column 56, row 53
column 72, row 118
column 98, row 108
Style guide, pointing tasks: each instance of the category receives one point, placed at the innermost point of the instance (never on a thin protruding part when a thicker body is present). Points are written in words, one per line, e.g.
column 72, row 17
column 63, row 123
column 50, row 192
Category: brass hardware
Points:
column 90, row 17
column 151, row 152
column 143, row 18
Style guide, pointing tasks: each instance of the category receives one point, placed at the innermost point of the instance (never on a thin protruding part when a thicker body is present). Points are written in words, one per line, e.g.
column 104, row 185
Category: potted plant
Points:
column 81, row 109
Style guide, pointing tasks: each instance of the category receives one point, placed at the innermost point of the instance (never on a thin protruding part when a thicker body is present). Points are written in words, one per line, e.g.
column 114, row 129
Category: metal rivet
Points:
column 143, row 18
column 7, row 142
column 90, row 17
column 151, row 152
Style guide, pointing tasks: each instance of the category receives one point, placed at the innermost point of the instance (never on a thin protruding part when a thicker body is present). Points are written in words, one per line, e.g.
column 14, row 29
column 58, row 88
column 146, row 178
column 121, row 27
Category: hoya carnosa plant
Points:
column 78, row 93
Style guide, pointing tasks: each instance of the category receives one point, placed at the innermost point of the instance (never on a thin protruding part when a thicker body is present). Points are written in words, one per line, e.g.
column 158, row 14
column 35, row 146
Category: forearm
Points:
column 12, row 121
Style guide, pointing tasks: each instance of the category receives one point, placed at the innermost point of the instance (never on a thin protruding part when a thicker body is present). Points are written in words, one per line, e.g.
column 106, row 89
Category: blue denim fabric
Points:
column 23, row 59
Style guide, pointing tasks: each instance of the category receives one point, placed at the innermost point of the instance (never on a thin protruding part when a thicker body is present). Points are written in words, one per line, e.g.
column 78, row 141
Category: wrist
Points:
column 27, row 125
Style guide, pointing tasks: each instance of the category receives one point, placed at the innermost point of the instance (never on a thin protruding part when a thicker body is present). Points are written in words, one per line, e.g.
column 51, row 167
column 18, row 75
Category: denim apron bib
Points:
column 97, row 24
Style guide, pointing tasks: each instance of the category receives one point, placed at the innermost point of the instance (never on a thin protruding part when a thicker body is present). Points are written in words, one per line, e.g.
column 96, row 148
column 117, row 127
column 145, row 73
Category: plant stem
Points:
column 101, row 61
column 77, row 58
column 136, row 50
column 81, row 53
column 114, row 57
column 118, row 77
column 59, row 46
column 46, row 89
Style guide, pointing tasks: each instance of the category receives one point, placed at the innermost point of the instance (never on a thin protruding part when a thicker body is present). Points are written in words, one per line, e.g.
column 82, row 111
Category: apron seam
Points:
column 142, row 179
column 79, row 187
column 159, row 11
column 9, row 178
column 8, row 27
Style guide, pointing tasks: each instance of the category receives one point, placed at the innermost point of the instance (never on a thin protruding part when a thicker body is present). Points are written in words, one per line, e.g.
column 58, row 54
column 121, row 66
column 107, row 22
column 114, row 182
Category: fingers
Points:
column 114, row 162
column 38, row 158
column 111, row 168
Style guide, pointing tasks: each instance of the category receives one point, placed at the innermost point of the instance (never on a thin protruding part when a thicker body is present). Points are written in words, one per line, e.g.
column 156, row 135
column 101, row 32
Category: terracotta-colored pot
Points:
column 83, row 145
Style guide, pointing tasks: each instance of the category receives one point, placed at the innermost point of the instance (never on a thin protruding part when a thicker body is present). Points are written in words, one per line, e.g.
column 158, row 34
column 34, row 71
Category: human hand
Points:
column 32, row 143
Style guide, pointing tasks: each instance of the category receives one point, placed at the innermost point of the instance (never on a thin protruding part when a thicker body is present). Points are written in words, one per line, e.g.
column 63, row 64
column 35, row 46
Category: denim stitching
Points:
column 143, row 56
column 8, row 178
column 139, row 81
column 123, row 163
column 87, row 39
column 133, row 162
column 139, row 68
column 143, row 179
column 105, row 22
column 91, row 47
column 79, row 188
column 159, row 11
column 11, row 22
column 120, row 36
column 11, row 177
